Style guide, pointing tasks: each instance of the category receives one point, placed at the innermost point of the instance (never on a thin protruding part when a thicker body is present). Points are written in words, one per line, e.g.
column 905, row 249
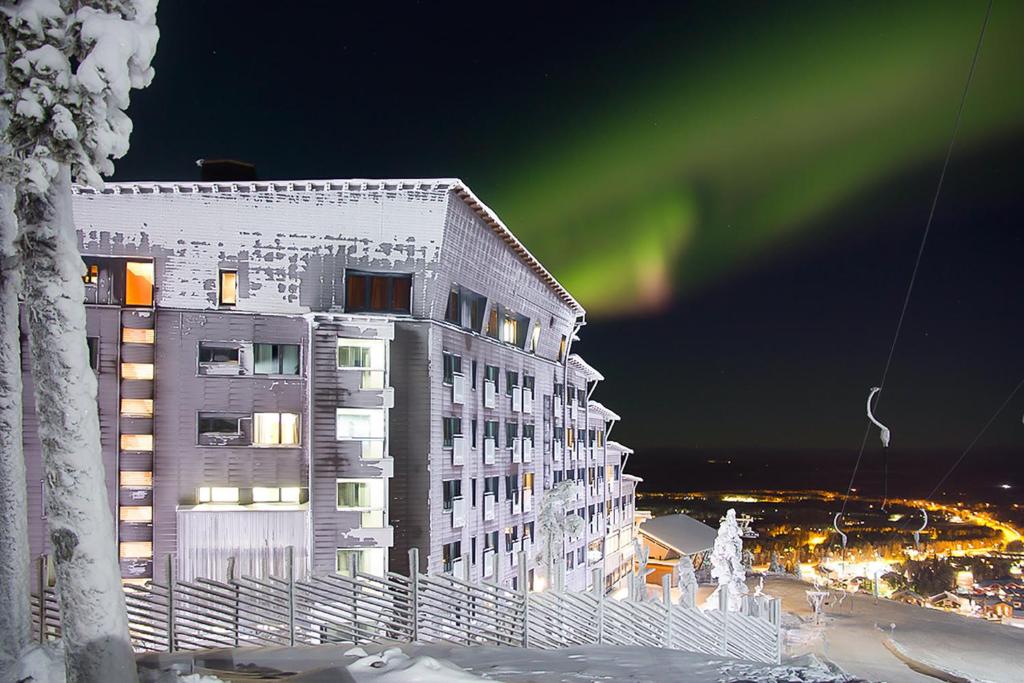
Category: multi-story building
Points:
column 349, row 369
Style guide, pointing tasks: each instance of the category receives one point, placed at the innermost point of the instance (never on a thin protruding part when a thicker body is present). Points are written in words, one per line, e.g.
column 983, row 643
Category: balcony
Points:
column 528, row 401
column 527, row 450
column 516, row 450
column 458, row 512
column 527, row 500
column 572, row 411
column 459, row 448
column 488, row 450
column 458, row 568
column 489, row 506
column 517, row 400
column 558, row 407
column 458, row 389
column 513, row 558
column 517, row 503
column 490, row 394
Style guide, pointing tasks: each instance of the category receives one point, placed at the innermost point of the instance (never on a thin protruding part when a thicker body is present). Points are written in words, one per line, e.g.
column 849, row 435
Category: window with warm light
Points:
column 137, row 407
column 218, row 494
column 92, row 274
column 367, row 561
column 366, row 355
column 227, row 289
column 137, row 479
column 365, row 496
column 276, row 494
column 137, row 442
column 136, row 549
column 360, row 423
column 139, row 514
column 275, row 429
column 136, row 371
column 535, row 338
column 134, row 335
column 379, row 292
column 138, row 283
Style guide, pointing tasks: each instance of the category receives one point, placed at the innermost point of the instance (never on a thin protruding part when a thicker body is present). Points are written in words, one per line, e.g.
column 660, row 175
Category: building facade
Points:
column 339, row 370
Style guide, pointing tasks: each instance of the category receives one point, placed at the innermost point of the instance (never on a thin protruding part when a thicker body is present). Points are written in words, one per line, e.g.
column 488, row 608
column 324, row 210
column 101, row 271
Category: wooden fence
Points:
column 360, row 608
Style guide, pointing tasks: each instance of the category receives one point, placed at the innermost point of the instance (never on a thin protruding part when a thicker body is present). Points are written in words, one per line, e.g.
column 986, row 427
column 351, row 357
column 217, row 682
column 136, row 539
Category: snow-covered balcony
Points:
column 527, row 500
column 527, row 450
column 458, row 388
column 489, row 506
column 517, row 503
column 488, row 563
column 458, row 512
column 517, row 400
column 457, row 568
column 516, row 450
column 490, row 394
column 528, row 401
column 459, row 448
column 489, row 449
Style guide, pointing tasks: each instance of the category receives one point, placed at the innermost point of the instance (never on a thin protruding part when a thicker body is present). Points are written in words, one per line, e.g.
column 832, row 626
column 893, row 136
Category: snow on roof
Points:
column 602, row 411
column 681, row 533
column 583, row 366
column 455, row 185
column 632, row 477
column 619, row 447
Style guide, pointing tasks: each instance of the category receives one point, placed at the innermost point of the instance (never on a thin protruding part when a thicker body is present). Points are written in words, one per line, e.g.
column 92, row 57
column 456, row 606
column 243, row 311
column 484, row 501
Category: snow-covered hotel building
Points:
column 349, row 368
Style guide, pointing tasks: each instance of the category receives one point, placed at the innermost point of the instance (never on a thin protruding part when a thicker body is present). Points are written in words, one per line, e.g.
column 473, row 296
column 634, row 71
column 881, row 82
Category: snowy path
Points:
column 972, row 648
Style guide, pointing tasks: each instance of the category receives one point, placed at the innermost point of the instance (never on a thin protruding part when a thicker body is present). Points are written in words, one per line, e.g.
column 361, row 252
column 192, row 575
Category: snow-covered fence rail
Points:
column 360, row 608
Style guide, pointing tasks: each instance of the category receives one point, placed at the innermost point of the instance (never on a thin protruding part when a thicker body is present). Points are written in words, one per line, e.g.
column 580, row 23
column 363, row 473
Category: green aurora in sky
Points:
column 717, row 157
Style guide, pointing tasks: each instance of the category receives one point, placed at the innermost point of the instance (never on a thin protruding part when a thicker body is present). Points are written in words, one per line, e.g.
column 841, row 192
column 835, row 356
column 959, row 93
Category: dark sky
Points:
column 809, row 166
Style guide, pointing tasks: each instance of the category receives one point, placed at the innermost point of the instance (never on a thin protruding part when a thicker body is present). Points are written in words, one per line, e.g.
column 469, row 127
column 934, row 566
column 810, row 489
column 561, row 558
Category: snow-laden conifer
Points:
column 727, row 565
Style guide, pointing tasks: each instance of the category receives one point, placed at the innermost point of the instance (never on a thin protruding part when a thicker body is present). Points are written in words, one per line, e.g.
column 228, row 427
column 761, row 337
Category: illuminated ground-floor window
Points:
column 367, row 560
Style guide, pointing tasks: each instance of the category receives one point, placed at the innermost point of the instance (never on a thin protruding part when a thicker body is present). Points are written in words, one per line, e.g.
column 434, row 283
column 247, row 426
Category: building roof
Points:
column 632, row 477
column 601, row 410
column 455, row 185
column 681, row 533
column 619, row 447
column 591, row 373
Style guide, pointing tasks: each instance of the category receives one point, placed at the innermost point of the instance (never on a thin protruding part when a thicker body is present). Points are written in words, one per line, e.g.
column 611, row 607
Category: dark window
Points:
column 472, row 551
column 451, row 490
column 472, row 426
column 451, row 552
column 452, row 427
column 472, row 379
column 491, row 486
column 528, row 433
column 528, row 382
column 276, row 359
column 491, row 540
column 571, row 393
column 511, row 432
column 452, row 365
column 511, row 381
column 511, row 536
column 491, row 430
column 453, row 313
column 383, row 292
column 214, row 353
column 222, row 429
column 93, row 344
column 491, row 375
column 492, row 323
column 472, row 492
column 217, row 424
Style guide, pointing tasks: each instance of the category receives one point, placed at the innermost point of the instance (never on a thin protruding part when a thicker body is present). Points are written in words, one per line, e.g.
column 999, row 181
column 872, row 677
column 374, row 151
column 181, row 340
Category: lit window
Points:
column 492, row 323
column 360, row 423
column 138, row 407
column 276, row 359
column 134, row 335
column 290, row 494
column 535, row 338
column 366, row 496
column 92, row 274
column 367, row 355
column 275, row 429
column 367, row 561
column 138, row 286
column 227, row 291
column 561, row 349
column 136, row 370
column 136, row 549
column 218, row 494
column 136, row 513
column 137, row 479
column 266, row 494
column 381, row 292
column 136, row 442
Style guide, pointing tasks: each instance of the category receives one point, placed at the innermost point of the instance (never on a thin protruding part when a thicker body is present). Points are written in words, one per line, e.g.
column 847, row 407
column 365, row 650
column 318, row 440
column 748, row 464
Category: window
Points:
column 511, row 487
column 491, row 540
column 275, row 429
column 216, row 423
column 492, row 323
column 138, row 285
column 513, row 329
column 528, row 431
column 535, row 338
column 380, row 292
column 136, row 514
column 227, row 288
column 511, row 381
column 581, row 397
column 528, row 382
column 92, row 274
column 93, row 344
column 136, row 479
column 218, row 358
column 511, row 537
column 472, row 551
column 276, row 359
column 472, row 492
column 491, row 486
column 472, row 426
column 511, row 433
column 561, row 349
column 136, row 549
column 600, row 438
column 453, row 313
column 571, row 393
column 528, row 480
column 136, row 370
column 452, row 366
column 360, row 423
column 366, row 496
column 366, row 355
column 217, row 494
column 491, row 375
column 276, row 494
column 472, row 379
column 135, row 335
column 367, row 561
column 450, row 552
column 452, row 428
column 136, row 442
column 491, row 430
column 137, row 407
column 451, row 489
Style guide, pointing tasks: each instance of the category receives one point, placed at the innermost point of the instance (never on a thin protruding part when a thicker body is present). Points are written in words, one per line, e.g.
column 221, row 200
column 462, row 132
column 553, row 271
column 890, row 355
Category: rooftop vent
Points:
column 225, row 170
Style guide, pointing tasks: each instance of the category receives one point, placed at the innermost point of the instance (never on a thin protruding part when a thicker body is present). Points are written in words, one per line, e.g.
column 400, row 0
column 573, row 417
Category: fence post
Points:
column 234, row 589
column 171, row 635
column 666, row 595
column 414, row 592
column 290, row 566
column 524, row 590
column 42, row 598
column 467, row 611
column 775, row 616
column 723, row 607
column 598, row 589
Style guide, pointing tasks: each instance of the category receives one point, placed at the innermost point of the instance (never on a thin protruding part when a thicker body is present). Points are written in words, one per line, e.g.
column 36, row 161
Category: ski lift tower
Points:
column 744, row 523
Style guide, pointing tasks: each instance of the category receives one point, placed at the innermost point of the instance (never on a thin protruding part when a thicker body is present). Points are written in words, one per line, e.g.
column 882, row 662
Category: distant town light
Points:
column 1005, row 486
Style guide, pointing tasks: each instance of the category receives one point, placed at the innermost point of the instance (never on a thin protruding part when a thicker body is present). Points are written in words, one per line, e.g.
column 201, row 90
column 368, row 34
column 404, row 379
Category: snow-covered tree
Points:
column 775, row 565
column 727, row 564
column 15, row 618
column 557, row 523
column 687, row 582
column 70, row 69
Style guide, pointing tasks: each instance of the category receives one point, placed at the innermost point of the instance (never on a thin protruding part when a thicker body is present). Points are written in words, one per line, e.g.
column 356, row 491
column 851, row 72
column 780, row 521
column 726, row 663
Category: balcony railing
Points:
column 517, row 451
column 527, row 500
column 489, row 506
column 458, row 512
column 458, row 389
column 517, row 503
column 490, row 394
column 528, row 401
column 459, row 448
column 527, row 450
column 457, row 568
column 488, row 450
column 517, row 400
column 488, row 561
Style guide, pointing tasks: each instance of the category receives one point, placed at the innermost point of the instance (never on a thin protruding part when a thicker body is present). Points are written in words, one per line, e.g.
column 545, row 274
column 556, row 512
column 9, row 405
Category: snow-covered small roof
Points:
column 681, row 533
column 588, row 370
column 616, row 446
column 600, row 410
column 632, row 477
column 455, row 185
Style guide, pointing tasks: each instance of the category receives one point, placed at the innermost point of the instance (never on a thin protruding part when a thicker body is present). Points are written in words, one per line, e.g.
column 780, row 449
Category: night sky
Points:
column 735, row 193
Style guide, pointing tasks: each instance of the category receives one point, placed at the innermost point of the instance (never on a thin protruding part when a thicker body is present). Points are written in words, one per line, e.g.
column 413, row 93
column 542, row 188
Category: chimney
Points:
column 225, row 170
